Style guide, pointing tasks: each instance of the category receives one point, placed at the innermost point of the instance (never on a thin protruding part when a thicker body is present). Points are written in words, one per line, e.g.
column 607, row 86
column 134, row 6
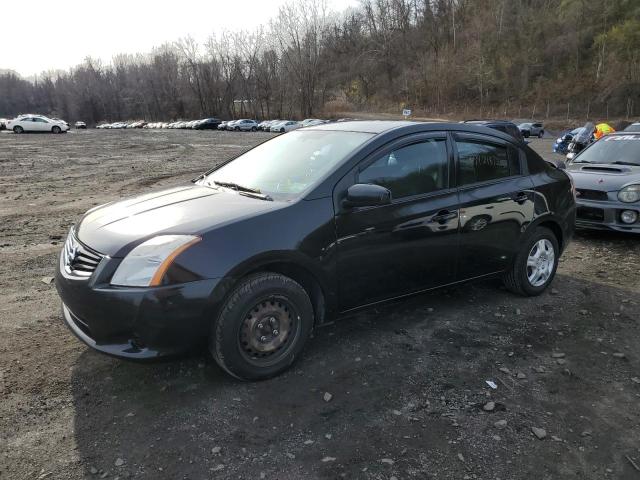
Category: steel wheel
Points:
column 268, row 330
column 540, row 262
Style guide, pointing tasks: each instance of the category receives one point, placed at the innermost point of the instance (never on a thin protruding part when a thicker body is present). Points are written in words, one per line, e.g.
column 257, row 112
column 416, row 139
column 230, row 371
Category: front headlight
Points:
column 146, row 264
column 629, row 194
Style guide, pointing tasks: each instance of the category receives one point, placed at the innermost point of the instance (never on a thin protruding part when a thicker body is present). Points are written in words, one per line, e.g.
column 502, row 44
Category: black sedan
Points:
column 207, row 124
column 255, row 253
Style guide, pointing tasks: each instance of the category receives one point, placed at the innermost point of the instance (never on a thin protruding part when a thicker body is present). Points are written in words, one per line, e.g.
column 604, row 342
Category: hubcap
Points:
column 267, row 329
column 540, row 262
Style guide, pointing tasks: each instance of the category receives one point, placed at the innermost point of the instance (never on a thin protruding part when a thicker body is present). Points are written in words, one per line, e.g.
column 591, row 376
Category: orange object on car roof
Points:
column 603, row 129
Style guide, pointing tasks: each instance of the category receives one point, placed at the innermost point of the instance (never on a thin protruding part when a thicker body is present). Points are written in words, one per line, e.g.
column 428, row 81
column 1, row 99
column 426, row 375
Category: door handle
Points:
column 520, row 197
column 443, row 215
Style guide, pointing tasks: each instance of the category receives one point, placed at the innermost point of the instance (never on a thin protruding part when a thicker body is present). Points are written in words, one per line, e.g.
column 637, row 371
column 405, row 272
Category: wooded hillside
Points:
column 498, row 58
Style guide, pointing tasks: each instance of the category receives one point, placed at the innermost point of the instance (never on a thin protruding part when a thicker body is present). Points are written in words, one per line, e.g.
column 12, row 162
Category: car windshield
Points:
column 288, row 165
column 614, row 149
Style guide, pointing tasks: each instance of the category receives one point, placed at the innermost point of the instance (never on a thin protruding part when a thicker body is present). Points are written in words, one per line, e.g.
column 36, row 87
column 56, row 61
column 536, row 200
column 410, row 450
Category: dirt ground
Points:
column 408, row 381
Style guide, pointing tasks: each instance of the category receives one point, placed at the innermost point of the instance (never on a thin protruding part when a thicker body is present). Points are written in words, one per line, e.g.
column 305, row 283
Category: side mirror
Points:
column 366, row 195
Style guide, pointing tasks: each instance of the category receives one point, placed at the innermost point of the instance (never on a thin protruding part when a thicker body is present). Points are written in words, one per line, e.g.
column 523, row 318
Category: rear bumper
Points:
column 137, row 323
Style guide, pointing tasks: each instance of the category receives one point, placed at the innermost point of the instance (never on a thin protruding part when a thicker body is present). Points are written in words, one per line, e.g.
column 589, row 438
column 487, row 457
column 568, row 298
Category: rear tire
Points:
column 18, row 129
column 237, row 129
column 262, row 327
column 535, row 264
column 56, row 130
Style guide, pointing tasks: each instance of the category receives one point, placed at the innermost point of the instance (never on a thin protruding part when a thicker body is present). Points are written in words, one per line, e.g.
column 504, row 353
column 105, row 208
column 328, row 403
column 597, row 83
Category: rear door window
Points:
column 484, row 162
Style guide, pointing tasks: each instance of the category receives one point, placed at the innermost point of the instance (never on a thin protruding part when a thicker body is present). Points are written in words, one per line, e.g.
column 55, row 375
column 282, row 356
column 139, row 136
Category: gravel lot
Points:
column 407, row 382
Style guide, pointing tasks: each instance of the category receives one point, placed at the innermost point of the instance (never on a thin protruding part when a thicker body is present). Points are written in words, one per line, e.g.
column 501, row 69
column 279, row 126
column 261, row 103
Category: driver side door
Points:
column 410, row 244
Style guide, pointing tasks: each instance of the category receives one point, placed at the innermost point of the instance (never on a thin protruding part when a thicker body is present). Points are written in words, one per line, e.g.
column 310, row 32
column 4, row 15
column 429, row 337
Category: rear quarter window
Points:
column 535, row 163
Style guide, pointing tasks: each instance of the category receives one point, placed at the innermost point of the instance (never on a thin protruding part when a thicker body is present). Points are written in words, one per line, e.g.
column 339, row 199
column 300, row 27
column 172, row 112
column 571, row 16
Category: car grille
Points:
column 592, row 214
column 79, row 259
column 591, row 194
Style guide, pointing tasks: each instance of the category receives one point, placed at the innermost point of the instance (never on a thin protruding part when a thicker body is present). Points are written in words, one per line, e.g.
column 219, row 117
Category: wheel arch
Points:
column 557, row 231
column 552, row 224
column 306, row 279
column 298, row 269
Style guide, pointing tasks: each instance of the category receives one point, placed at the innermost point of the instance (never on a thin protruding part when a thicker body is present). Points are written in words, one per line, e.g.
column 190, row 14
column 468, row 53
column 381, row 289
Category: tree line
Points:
column 509, row 58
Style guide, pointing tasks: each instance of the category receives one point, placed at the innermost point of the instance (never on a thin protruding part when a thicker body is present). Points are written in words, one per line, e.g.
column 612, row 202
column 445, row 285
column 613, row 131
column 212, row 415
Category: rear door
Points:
column 28, row 125
column 496, row 202
column 408, row 245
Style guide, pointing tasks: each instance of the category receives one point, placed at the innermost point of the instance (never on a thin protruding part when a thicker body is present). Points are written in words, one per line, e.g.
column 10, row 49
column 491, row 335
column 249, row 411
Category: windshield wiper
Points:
column 242, row 190
column 237, row 187
column 261, row 196
column 626, row 163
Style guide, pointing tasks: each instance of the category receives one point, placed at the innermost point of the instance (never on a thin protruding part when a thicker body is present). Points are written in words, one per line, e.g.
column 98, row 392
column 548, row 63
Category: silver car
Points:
column 244, row 125
column 533, row 129
column 607, row 180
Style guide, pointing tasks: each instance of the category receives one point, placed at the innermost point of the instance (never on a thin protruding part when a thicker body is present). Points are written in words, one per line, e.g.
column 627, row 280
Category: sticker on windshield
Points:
column 614, row 138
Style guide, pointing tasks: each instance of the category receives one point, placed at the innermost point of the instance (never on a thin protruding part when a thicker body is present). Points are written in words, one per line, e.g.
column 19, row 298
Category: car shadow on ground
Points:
column 406, row 385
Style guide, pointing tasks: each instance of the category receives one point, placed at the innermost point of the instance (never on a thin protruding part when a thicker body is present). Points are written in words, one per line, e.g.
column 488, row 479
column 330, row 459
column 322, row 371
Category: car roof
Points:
column 487, row 122
column 365, row 126
column 620, row 133
column 379, row 127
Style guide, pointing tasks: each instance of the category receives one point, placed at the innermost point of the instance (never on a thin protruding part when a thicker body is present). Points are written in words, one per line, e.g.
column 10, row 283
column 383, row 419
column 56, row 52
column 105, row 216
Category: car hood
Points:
column 115, row 228
column 604, row 177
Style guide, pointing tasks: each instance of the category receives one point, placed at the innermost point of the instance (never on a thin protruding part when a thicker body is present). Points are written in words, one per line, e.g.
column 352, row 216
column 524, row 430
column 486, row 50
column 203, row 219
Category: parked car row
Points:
column 211, row 123
column 117, row 125
column 283, row 126
column 203, row 124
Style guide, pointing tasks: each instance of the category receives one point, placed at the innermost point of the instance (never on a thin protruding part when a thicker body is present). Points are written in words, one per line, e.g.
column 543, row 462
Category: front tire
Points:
column 541, row 134
column 254, row 129
column 56, row 130
column 18, row 129
column 262, row 327
column 535, row 265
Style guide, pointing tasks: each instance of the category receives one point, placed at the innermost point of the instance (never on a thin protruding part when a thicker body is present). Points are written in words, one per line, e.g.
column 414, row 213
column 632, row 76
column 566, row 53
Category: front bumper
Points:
column 605, row 215
column 136, row 323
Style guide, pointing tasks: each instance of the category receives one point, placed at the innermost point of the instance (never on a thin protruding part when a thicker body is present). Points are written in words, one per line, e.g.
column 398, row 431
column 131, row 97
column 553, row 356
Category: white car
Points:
column 36, row 123
column 80, row 125
column 285, row 126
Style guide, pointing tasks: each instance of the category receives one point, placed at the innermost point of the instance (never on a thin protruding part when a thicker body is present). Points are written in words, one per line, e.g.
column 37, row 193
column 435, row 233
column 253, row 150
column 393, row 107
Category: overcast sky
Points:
column 44, row 34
